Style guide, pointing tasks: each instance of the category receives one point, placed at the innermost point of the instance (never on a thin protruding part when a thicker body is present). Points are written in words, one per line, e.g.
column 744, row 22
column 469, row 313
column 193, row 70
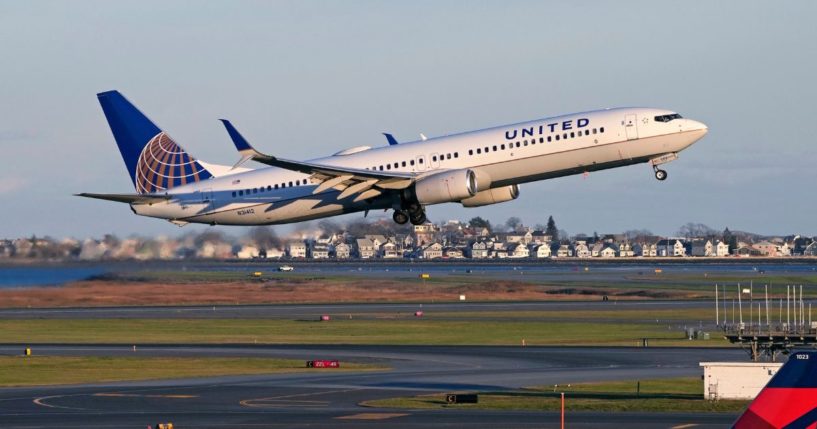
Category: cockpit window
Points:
column 667, row 118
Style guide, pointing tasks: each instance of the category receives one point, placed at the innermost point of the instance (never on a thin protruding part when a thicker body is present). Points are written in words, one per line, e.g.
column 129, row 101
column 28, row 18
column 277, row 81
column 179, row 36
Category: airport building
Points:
column 736, row 380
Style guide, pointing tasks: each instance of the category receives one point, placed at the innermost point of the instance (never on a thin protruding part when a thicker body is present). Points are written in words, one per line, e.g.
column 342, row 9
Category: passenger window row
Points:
column 411, row 163
column 250, row 191
column 550, row 138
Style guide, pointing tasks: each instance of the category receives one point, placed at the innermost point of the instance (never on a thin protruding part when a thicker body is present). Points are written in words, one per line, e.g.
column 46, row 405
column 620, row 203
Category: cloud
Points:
column 9, row 185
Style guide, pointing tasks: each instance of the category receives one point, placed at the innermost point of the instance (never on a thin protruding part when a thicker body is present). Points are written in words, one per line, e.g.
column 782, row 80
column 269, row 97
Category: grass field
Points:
column 43, row 370
column 657, row 395
column 408, row 331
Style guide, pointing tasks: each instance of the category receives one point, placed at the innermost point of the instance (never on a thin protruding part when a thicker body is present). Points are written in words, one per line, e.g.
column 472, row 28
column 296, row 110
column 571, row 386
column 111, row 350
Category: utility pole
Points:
column 717, row 319
column 740, row 307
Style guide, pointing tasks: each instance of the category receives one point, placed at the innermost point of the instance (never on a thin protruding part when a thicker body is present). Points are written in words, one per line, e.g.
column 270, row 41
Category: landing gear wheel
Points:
column 660, row 174
column 400, row 217
column 418, row 218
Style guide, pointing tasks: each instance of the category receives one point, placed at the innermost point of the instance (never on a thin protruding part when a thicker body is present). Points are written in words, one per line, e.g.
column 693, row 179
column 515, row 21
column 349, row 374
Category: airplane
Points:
column 475, row 168
column 789, row 399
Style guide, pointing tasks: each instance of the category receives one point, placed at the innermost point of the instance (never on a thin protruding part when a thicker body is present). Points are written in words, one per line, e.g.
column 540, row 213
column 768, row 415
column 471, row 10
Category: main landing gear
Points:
column 400, row 217
column 660, row 174
column 414, row 213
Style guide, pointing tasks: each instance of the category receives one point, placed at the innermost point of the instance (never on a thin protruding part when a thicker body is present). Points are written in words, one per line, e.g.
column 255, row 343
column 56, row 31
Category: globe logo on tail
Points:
column 164, row 165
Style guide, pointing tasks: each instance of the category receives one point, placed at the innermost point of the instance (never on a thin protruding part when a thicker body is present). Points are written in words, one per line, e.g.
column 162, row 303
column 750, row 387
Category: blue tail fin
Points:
column 155, row 162
column 789, row 400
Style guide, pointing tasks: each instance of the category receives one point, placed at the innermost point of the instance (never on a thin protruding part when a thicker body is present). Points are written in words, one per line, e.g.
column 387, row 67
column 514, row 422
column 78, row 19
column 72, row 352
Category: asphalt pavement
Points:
column 330, row 400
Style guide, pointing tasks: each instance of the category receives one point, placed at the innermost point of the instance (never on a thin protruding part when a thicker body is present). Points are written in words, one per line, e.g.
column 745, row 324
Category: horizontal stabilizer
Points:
column 128, row 198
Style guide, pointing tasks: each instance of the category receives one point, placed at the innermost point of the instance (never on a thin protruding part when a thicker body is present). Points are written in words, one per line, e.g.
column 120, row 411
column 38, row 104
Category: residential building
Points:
column 478, row 250
column 700, row 248
column 390, row 250
column 580, row 250
column 432, row 251
column 609, row 251
column 343, row 251
column 520, row 250
column 319, row 251
column 540, row 251
column 721, row 249
column 453, row 253
column 670, row 247
column 296, row 249
column 365, row 248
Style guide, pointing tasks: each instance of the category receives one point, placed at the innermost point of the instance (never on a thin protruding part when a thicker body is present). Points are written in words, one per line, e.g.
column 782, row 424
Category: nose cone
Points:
column 698, row 126
column 695, row 131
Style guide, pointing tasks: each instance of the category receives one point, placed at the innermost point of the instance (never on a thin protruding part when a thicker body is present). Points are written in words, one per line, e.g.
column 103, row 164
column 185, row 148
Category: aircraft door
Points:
column 434, row 162
column 631, row 127
column 207, row 200
column 419, row 163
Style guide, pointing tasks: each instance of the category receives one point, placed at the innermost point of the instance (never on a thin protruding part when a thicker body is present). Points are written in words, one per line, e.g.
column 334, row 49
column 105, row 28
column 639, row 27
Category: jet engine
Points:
column 446, row 187
column 492, row 196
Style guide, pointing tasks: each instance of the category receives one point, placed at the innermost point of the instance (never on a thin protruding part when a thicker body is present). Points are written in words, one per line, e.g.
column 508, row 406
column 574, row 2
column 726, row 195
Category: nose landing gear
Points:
column 660, row 174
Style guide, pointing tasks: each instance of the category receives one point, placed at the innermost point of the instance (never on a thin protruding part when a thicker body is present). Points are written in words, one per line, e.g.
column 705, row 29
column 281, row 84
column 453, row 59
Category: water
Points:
column 45, row 275
column 55, row 275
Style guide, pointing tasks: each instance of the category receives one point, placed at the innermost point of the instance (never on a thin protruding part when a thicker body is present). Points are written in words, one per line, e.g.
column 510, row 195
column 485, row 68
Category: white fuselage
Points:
column 500, row 156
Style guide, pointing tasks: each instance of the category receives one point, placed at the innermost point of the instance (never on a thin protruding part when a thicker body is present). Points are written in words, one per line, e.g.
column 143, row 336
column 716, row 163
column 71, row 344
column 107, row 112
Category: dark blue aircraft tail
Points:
column 789, row 400
column 155, row 162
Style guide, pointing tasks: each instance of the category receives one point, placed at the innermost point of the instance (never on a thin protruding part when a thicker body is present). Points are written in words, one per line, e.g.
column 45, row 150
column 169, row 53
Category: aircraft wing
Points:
column 127, row 198
column 350, row 181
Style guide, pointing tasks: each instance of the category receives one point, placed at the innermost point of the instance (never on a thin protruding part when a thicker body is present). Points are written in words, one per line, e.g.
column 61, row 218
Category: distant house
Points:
column 561, row 250
column 424, row 233
column 580, row 250
column 520, row 250
column 609, row 251
column 296, row 249
column 453, row 253
column 701, row 248
column 596, row 248
column 539, row 237
column 625, row 250
column 432, row 251
column 390, row 250
column 275, row 253
column 479, row 250
column 647, row 250
column 721, row 249
column 540, row 250
column 343, row 251
column 810, row 249
column 670, row 247
column 785, row 249
column 746, row 251
column 319, row 251
column 365, row 248
column 248, row 252
column 500, row 253
column 766, row 248
column 377, row 240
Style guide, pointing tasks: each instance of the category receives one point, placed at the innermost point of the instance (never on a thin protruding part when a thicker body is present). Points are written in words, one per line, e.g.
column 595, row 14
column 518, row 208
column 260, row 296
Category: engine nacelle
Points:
column 492, row 196
column 446, row 187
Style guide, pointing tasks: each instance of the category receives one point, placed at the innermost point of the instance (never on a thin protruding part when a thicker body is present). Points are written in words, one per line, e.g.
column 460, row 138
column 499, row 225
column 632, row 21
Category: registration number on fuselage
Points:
column 245, row 212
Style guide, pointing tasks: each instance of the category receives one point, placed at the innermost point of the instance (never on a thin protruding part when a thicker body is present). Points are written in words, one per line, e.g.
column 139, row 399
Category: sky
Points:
column 305, row 79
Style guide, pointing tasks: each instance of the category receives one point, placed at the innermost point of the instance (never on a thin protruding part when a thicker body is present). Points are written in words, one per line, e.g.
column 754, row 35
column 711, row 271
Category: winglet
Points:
column 246, row 151
column 391, row 139
column 238, row 140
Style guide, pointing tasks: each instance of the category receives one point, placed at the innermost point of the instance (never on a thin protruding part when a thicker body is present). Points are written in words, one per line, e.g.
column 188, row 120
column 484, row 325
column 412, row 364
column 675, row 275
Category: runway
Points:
column 330, row 400
column 312, row 311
